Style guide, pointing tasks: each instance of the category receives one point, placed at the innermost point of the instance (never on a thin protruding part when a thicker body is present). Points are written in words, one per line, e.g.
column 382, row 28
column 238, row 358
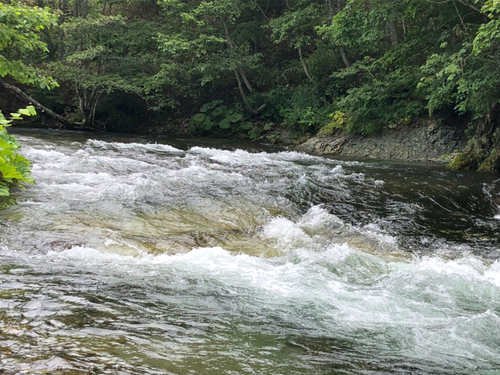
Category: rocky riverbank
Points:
column 428, row 142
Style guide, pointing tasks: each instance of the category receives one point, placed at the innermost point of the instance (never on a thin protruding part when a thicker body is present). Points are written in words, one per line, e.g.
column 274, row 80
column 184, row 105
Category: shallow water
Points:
column 130, row 257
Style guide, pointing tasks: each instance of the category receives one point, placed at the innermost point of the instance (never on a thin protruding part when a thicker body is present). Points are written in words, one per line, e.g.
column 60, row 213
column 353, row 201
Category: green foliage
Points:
column 218, row 118
column 104, row 54
column 466, row 75
column 300, row 108
column 414, row 57
column 361, row 25
column 20, row 28
column 200, row 38
column 296, row 27
column 380, row 63
column 19, row 38
column 389, row 100
column 14, row 168
column 488, row 36
column 338, row 122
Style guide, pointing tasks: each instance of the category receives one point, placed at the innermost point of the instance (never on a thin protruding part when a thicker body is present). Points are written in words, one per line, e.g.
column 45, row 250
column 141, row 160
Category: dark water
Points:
column 191, row 257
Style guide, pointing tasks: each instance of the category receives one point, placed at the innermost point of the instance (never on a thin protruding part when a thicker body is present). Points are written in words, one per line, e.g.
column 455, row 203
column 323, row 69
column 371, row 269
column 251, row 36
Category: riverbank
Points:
column 428, row 142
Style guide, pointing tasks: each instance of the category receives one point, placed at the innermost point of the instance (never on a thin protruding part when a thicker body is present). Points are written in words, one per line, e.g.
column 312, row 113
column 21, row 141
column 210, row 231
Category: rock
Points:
column 483, row 150
column 424, row 143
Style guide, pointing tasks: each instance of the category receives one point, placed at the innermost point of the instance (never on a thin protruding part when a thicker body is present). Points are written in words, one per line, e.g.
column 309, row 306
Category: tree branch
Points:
column 25, row 97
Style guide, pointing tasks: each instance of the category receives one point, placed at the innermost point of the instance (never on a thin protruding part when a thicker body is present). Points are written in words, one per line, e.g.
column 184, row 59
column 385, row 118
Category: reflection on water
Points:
column 136, row 258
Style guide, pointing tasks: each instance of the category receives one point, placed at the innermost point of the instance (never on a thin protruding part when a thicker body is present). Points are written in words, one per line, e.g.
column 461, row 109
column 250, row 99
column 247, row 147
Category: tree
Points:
column 200, row 36
column 469, row 79
column 103, row 54
column 299, row 63
column 20, row 28
column 19, row 37
column 296, row 27
column 392, row 43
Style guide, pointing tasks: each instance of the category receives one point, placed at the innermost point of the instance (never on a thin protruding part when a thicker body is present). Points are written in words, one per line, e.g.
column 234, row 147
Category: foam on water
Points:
column 429, row 309
column 135, row 147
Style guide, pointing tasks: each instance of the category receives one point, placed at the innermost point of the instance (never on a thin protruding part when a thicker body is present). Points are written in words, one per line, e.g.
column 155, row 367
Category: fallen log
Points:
column 28, row 99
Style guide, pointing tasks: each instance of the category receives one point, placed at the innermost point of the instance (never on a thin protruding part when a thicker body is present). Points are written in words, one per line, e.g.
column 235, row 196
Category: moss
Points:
column 458, row 162
column 470, row 158
column 338, row 121
column 491, row 163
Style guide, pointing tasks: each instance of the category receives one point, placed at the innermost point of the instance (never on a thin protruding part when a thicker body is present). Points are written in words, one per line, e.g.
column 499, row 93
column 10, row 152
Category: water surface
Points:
column 135, row 257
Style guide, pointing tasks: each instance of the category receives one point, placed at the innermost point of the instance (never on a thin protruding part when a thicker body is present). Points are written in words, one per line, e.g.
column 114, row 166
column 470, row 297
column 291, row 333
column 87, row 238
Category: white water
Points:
column 147, row 259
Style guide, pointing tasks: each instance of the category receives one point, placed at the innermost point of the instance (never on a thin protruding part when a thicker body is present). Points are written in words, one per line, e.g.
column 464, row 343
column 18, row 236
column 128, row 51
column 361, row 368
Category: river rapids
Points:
column 129, row 257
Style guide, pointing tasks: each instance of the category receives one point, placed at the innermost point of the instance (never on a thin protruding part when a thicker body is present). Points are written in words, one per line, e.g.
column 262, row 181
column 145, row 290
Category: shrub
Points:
column 14, row 168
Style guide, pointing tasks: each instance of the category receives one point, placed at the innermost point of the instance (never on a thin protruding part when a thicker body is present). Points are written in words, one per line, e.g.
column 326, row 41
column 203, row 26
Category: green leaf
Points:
column 25, row 112
column 4, row 190
column 225, row 124
column 10, row 172
column 246, row 125
column 31, row 110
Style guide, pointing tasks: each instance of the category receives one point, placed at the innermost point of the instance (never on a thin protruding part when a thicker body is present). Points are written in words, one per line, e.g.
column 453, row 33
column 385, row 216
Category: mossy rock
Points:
column 492, row 162
column 479, row 155
column 338, row 122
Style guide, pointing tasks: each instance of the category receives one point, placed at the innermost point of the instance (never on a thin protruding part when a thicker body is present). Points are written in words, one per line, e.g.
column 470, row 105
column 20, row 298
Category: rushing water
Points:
column 136, row 258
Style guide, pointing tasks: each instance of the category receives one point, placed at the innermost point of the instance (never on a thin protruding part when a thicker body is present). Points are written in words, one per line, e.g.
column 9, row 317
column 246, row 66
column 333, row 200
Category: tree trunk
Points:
column 470, row 5
column 81, row 8
column 343, row 52
column 63, row 7
column 393, row 32
column 231, row 45
column 345, row 58
column 28, row 99
column 245, row 79
column 87, row 103
column 331, row 11
column 242, row 92
column 304, row 65
column 244, row 97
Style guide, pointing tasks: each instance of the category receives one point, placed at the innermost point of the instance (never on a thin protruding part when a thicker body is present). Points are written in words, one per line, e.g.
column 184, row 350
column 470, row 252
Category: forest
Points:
column 233, row 68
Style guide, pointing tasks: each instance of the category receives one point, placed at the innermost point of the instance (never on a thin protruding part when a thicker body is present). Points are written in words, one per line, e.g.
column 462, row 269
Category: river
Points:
column 190, row 257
